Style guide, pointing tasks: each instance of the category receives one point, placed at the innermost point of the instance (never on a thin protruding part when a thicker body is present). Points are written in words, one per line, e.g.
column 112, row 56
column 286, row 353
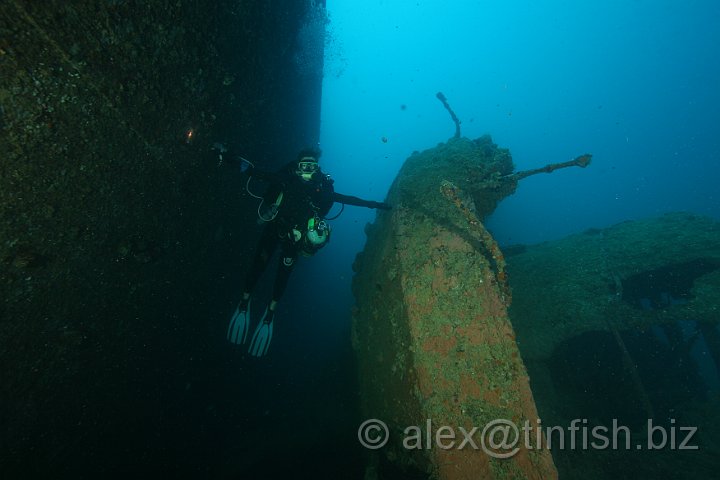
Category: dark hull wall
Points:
column 123, row 238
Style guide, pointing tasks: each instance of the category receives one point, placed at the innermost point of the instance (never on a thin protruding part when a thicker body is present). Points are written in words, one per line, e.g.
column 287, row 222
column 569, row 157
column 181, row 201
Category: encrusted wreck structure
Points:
column 621, row 324
column 431, row 328
column 609, row 327
column 118, row 223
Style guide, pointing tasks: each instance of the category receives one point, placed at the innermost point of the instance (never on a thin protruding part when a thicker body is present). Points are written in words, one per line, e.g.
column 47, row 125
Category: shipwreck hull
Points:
column 123, row 237
column 431, row 330
column 621, row 325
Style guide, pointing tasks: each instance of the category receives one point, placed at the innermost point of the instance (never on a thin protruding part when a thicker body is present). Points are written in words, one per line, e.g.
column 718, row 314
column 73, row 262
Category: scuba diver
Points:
column 293, row 209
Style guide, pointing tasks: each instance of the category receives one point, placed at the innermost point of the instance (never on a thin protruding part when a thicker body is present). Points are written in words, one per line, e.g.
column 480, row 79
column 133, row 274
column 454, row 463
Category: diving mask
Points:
column 306, row 167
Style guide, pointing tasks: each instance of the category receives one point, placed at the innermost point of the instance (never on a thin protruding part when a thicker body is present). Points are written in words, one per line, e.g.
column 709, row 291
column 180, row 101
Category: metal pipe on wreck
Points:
column 582, row 161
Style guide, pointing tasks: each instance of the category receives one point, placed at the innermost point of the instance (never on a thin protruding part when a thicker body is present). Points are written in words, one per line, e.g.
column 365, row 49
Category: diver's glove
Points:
column 226, row 156
column 381, row 205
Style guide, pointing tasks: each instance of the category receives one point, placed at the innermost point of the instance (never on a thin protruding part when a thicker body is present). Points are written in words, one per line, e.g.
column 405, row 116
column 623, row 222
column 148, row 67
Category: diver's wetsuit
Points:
column 300, row 201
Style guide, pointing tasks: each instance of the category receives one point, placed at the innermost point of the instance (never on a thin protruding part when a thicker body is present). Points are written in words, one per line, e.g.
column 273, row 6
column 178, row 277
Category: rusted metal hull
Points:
column 431, row 329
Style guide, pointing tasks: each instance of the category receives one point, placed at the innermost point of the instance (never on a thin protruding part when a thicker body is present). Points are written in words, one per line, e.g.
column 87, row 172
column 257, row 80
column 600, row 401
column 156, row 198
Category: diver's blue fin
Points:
column 239, row 324
column 262, row 336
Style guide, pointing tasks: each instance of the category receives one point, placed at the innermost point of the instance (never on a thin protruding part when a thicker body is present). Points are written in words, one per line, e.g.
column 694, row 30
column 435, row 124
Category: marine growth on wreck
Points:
column 431, row 329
